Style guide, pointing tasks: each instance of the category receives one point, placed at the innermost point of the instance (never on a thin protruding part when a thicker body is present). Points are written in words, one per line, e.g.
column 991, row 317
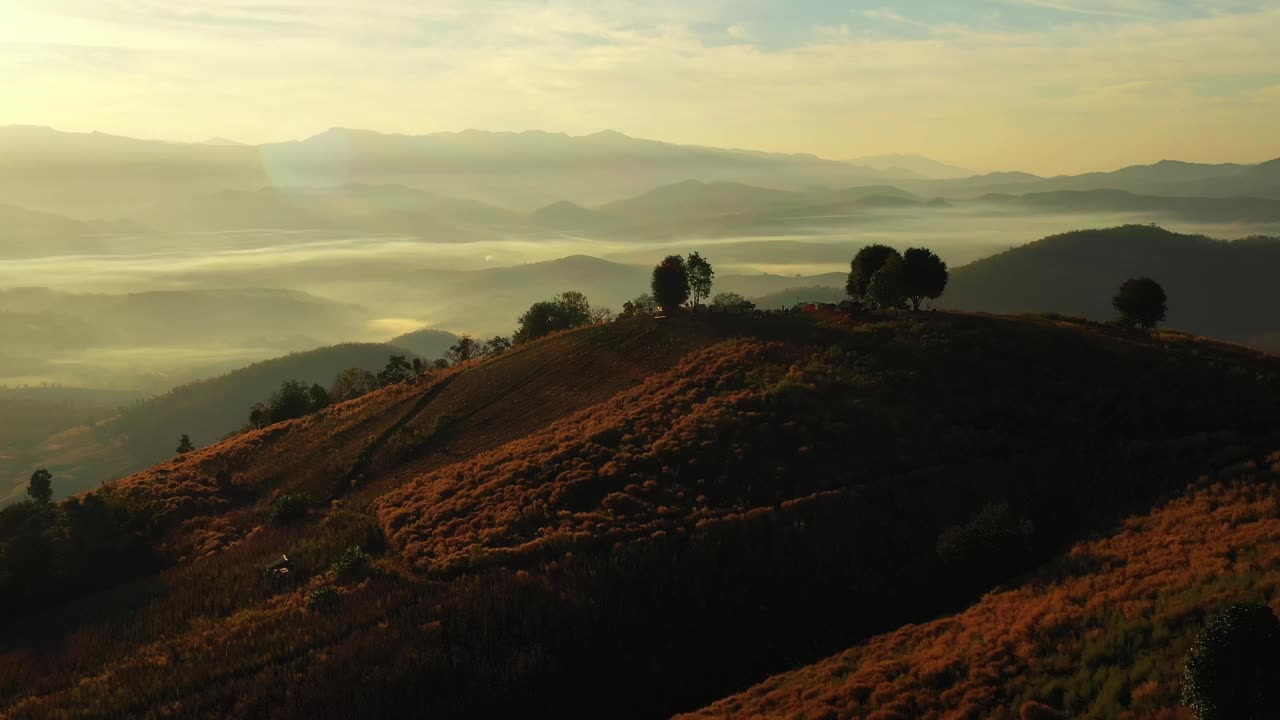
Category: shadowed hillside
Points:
column 1099, row 633
column 717, row 498
column 1217, row 288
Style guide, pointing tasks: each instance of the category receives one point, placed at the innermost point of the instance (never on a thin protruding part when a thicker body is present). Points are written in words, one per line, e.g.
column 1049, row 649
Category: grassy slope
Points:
column 1099, row 633
column 659, row 486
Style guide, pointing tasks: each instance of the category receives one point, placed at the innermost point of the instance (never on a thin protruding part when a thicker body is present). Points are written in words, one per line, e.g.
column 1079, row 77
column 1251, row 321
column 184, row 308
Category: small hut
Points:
column 281, row 567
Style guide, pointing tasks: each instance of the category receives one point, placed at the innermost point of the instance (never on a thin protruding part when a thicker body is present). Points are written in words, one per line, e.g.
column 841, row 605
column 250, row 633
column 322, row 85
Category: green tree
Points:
column 1141, row 302
column 1232, row 671
column 887, row 289
column 398, row 370
column 670, row 283
column 924, row 275
column 465, row 349
column 864, row 265
column 566, row 311
column 40, row 487
column 353, row 383
column 289, row 508
column 184, row 444
column 700, row 276
column 495, row 346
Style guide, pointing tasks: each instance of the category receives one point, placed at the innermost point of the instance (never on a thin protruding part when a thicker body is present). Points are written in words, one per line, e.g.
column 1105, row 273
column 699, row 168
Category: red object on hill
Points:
column 810, row 308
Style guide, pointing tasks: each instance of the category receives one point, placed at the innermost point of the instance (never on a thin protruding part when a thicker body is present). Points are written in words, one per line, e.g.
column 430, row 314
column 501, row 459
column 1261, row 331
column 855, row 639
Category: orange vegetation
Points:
column 1098, row 634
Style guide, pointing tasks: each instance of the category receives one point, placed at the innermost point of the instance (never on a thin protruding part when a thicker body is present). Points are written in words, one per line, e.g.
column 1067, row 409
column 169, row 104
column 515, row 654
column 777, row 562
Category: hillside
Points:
column 1099, row 633
column 145, row 432
column 1217, row 288
column 705, row 500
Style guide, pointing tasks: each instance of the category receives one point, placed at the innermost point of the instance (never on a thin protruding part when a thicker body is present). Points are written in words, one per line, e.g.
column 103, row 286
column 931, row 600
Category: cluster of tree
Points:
column 468, row 348
column 880, row 276
column 566, row 311
column 676, row 279
column 732, row 301
column 293, row 400
column 52, row 550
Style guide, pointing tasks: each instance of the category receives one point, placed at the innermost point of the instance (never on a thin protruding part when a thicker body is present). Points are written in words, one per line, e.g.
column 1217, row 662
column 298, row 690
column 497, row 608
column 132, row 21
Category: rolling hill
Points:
column 1217, row 288
column 1101, row 632
column 146, row 431
column 704, row 500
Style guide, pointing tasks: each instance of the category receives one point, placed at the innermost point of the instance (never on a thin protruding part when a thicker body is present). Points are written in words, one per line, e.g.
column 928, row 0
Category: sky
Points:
column 1045, row 86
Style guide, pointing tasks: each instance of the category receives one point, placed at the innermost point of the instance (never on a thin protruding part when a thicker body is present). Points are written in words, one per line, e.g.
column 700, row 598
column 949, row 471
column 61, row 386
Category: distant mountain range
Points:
column 912, row 166
column 91, row 175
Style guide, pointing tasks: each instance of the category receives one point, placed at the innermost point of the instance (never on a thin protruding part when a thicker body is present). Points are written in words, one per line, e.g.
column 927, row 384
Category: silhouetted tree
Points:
column 565, row 311
column 292, row 400
column 732, row 301
column 465, row 349
column 601, row 315
column 184, row 444
column 496, row 346
column 670, row 283
column 1141, row 302
column 924, row 275
column 1232, row 671
column 887, row 287
column 864, row 265
column 398, row 370
column 641, row 306
column 353, row 383
column 700, row 276
column 40, row 486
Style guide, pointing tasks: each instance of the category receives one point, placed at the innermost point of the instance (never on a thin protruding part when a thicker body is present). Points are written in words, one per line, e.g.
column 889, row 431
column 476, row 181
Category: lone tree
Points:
column 40, row 487
column 1232, row 671
column 700, row 276
column 465, row 349
column 184, row 444
column 670, row 283
column 924, row 275
column 398, row 370
column 1141, row 302
column 865, row 264
column 887, row 288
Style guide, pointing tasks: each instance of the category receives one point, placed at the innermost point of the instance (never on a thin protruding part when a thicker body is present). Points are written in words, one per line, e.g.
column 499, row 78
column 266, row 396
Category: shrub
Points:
column 289, row 508
column 1232, row 671
column 323, row 599
column 352, row 564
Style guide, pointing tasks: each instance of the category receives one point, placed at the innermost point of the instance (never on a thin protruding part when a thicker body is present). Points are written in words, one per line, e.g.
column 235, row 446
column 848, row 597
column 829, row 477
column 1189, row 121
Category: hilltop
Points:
column 705, row 500
column 1223, row 289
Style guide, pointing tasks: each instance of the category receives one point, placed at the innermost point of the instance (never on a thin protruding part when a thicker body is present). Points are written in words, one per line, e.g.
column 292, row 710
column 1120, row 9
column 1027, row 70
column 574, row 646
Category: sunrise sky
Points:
column 1047, row 86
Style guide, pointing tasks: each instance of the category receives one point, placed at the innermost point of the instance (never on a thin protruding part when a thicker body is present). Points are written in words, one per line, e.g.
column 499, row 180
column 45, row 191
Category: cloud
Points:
column 1048, row 98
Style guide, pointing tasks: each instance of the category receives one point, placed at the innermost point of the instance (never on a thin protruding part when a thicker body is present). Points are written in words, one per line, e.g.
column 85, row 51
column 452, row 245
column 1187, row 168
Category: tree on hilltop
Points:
column 184, row 444
column 887, row 287
column 566, row 311
column 670, row 283
column 40, row 486
column 924, row 275
column 1141, row 302
column 700, row 276
column 864, row 265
